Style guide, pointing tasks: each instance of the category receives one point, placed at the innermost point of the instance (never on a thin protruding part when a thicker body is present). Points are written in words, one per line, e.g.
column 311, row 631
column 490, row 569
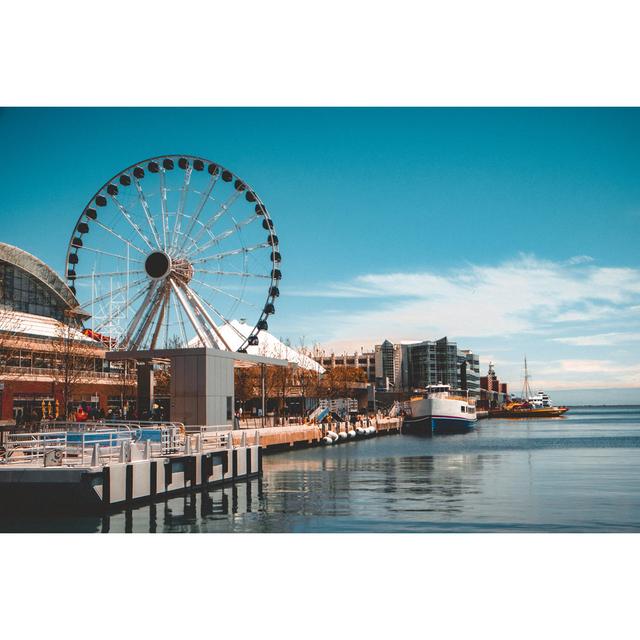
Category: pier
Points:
column 98, row 467
column 307, row 435
column 93, row 470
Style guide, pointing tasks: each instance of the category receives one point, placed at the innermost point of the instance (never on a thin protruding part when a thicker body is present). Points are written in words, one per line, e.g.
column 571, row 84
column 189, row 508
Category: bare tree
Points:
column 72, row 361
column 307, row 380
column 338, row 381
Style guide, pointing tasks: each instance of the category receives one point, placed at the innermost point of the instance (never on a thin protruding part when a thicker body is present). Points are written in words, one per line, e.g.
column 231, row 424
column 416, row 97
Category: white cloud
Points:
column 515, row 297
column 526, row 305
column 579, row 260
column 600, row 339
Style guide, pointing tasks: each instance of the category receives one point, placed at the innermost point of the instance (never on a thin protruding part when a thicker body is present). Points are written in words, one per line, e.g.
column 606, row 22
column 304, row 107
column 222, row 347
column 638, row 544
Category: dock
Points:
column 105, row 469
column 96, row 467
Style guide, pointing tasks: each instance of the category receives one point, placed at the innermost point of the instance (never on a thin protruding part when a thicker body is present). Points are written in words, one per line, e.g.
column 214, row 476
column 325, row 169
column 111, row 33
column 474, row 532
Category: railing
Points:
column 72, row 449
column 211, row 437
column 94, row 444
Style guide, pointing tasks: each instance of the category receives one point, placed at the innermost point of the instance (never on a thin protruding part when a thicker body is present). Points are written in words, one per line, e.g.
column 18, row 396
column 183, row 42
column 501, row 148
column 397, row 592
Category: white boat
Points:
column 540, row 400
column 437, row 409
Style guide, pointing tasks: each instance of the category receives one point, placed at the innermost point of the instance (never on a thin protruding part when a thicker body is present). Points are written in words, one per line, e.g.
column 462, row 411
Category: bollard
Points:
column 187, row 445
column 122, row 456
column 244, row 438
column 229, row 440
column 147, row 449
column 257, row 437
column 198, row 443
column 95, row 457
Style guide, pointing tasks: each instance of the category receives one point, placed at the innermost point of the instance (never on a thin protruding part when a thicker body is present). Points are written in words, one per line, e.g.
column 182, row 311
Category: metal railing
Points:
column 98, row 443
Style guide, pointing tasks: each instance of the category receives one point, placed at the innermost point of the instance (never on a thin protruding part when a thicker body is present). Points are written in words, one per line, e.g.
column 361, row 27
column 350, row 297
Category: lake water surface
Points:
column 576, row 473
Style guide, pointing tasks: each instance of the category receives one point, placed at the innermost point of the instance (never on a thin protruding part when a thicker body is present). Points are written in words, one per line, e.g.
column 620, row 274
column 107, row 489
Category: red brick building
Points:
column 493, row 393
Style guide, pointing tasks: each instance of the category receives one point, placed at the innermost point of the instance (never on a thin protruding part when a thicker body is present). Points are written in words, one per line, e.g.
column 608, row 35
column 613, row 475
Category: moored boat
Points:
column 531, row 406
column 526, row 410
column 436, row 410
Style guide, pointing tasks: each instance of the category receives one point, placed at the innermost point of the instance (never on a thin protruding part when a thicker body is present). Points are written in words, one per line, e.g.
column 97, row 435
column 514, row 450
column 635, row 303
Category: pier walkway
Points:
column 293, row 435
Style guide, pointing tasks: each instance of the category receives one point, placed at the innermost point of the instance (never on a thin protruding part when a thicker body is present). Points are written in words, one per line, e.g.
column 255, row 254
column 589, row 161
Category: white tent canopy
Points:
column 235, row 333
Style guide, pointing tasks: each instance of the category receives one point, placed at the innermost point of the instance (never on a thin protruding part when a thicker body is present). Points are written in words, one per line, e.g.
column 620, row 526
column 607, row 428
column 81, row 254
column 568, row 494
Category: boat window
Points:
column 462, row 408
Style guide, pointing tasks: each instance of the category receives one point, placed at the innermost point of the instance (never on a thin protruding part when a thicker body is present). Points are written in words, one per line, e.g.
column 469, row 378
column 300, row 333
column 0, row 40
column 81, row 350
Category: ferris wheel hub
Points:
column 157, row 265
column 182, row 269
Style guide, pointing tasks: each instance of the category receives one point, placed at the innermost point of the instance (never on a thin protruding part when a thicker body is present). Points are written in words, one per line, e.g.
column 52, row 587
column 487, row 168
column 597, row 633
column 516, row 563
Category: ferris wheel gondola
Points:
column 169, row 251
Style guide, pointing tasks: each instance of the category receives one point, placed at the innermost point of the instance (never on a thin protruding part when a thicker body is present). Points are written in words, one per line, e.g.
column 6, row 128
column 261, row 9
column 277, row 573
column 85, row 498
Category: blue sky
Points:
column 512, row 231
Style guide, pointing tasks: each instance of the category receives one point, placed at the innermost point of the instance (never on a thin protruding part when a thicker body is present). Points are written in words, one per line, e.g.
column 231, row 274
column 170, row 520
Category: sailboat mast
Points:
column 526, row 390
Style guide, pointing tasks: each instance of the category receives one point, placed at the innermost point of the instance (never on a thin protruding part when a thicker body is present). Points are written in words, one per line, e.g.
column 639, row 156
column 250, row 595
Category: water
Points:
column 577, row 473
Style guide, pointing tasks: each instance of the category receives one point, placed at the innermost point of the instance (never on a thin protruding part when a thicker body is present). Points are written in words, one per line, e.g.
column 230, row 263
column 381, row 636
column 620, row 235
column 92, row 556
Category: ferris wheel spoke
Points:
column 178, row 314
column 225, row 293
column 214, row 240
column 113, row 255
column 209, row 324
column 232, row 252
column 107, row 274
column 117, row 235
column 130, row 220
column 113, row 292
column 200, row 207
column 147, row 318
column 223, row 318
column 221, row 211
column 161, row 314
column 122, row 308
column 144, row 307
column 239, row 274
column 183, row 197
column 192, row 316
column 147, row 212
column 163, row 207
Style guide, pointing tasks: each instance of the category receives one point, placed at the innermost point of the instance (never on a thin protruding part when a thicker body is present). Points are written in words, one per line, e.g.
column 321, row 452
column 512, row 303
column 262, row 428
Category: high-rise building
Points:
column 469, row 371
column 404, row 366
column 388, row 365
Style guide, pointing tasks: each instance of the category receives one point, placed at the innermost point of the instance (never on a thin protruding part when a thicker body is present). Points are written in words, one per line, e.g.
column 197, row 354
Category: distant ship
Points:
column 436, row 410
column 531, row 406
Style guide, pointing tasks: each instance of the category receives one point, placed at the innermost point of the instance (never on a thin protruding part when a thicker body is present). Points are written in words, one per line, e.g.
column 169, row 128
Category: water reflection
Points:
column 190, row 512
column 578, row 474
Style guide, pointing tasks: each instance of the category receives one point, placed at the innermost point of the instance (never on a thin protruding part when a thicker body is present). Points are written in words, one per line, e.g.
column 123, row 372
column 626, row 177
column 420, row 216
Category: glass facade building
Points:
column 21, row 291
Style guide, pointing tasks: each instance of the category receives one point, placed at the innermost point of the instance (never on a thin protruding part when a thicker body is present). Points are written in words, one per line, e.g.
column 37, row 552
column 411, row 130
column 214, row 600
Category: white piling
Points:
column 257, row 437
column 147, row 449
column 187, row 445
column 122, row 456
column 244, row 438
column 95, row 457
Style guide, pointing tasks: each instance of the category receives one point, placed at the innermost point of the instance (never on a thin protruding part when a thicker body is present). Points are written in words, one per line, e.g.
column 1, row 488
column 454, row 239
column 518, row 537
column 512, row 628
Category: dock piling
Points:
column 95, row 456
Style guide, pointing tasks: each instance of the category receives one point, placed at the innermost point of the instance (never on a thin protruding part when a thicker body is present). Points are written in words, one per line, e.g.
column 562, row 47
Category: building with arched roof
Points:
column 47, row 362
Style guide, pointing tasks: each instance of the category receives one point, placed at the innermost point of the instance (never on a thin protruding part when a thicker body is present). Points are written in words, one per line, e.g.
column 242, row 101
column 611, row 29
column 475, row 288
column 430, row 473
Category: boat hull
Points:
column 550, row 412
column 438, row 415
column 428, row 425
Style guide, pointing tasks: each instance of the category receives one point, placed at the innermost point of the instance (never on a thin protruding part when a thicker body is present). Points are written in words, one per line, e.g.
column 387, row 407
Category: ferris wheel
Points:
column 175, row 251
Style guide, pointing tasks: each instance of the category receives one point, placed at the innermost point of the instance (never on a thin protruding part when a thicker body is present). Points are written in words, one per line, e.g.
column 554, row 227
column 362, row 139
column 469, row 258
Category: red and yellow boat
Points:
column 526, row 410
column 533, row 406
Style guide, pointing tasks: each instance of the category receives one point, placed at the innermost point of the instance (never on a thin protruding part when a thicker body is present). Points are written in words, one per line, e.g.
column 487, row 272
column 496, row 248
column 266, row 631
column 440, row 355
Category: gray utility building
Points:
column 202, row 383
